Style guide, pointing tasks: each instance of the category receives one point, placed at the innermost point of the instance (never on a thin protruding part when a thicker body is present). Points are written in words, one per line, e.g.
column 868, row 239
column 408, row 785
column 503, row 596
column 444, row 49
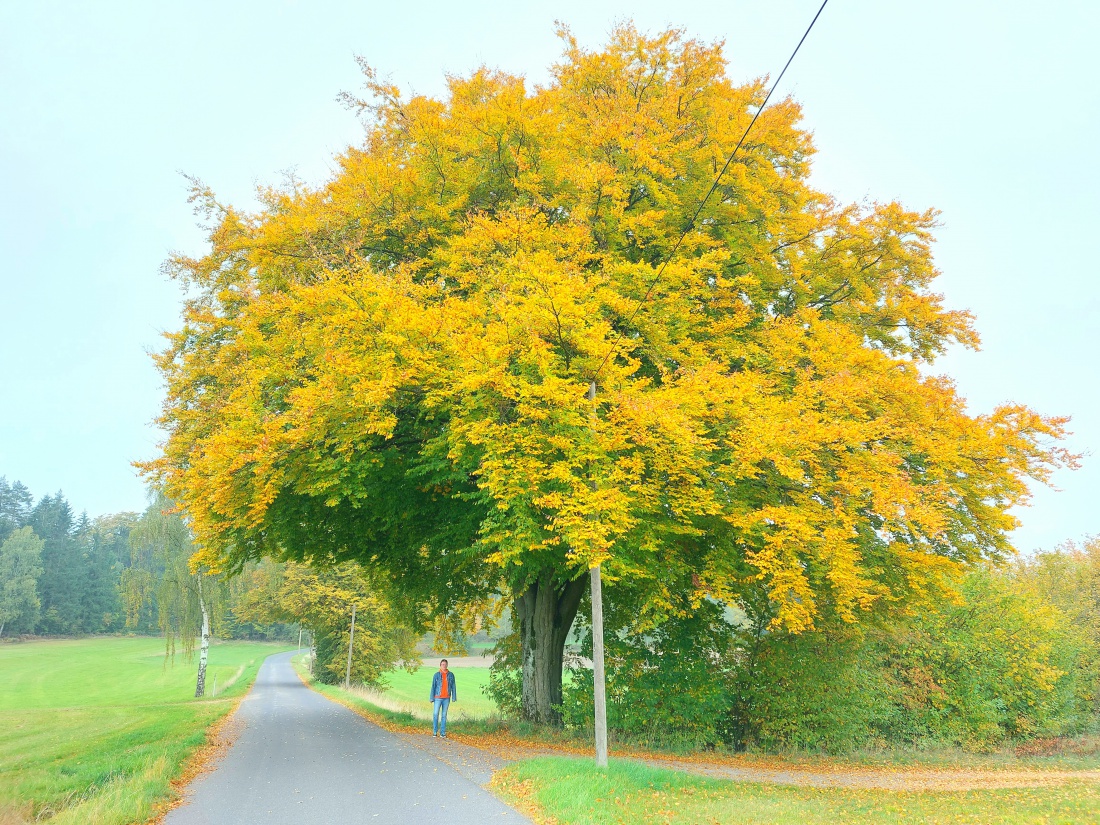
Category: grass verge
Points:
column 569, row 791
column 95, row 730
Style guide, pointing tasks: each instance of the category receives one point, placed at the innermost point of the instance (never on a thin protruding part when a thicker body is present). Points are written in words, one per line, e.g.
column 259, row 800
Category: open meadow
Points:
column 94, row 730
column 408, row 693
column 404, row 699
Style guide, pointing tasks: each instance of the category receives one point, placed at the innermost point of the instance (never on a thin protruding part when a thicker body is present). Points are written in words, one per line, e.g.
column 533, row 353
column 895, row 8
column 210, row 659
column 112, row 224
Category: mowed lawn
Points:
column 93, row 730
column 574, row 792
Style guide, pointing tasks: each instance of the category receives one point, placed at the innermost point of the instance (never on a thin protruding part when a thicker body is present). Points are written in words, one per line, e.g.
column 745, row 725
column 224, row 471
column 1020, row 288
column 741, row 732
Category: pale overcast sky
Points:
column 986, row 110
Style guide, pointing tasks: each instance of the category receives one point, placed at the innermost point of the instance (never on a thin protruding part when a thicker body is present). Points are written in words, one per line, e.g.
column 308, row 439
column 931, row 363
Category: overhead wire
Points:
column 713, row 187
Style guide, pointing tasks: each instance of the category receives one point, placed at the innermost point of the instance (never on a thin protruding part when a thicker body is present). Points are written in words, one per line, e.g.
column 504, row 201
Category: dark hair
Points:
column 444, row 662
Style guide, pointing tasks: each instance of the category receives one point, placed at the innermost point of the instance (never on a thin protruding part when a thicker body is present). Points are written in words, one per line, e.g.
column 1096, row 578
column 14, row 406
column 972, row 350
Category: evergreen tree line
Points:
column 60, row 572
column 68, row 575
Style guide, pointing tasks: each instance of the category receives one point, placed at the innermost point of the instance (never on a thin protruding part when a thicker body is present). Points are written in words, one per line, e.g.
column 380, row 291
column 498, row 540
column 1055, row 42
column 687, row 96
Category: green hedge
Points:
column 999, row 663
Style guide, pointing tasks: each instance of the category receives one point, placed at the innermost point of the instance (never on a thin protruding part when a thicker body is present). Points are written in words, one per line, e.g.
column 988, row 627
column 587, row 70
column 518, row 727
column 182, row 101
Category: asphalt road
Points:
column 301, row 759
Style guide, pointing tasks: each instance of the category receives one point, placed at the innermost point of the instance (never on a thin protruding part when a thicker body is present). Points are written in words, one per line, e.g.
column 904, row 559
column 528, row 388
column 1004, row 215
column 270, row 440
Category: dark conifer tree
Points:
column 103, row 543
column 64, row 569
column 15, row 507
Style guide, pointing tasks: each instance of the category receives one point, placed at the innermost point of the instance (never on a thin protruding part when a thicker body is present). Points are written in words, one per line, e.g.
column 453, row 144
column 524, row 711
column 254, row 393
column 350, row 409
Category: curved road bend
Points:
column 304, row 760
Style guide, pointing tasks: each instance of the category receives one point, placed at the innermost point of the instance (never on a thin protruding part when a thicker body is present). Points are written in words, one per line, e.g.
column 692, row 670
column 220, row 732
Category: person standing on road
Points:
column 443, row 693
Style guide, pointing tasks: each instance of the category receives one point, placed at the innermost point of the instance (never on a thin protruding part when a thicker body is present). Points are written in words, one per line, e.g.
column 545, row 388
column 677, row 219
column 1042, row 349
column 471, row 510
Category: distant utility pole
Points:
column 299, row 639
column 351, row 644
column 599, row 684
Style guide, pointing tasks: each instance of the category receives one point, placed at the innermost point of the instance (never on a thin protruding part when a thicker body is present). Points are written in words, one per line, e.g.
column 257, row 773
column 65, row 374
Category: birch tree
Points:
column 185, row 593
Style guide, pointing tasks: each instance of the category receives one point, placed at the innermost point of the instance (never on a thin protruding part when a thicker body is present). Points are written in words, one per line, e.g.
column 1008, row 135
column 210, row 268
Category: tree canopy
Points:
column 392, row 367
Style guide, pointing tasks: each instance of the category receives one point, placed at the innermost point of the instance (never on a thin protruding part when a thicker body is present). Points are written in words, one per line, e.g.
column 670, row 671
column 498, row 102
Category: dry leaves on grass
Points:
column 521, row 796
column 219, row 738
column 1060, row 746
column 775, row 770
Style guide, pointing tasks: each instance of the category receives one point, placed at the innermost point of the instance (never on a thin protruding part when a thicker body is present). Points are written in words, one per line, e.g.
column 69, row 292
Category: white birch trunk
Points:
column 204, row 644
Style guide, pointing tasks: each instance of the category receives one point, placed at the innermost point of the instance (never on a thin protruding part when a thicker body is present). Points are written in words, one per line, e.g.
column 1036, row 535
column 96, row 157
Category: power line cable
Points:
column 691, row 223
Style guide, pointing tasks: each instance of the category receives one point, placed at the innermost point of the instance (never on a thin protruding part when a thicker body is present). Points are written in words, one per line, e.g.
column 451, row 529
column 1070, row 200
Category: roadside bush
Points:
column 506, row 676
column 999, row 663
column 814, row 691
column 1069, row 578
column 1003, row 663
column 671, row 686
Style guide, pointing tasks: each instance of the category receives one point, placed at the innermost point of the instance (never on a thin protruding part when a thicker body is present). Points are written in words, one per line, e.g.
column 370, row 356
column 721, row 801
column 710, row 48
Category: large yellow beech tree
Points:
column 392, row 367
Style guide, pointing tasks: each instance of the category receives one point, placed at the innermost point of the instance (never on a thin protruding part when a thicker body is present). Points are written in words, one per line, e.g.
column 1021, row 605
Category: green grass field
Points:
column 93, row 730
column 411, row 690
column 405, row 701
column 575, row 792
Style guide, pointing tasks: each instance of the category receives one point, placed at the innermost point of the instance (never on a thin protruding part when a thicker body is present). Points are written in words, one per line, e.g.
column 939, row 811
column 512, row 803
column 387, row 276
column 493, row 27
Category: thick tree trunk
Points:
column 204, row 644
column 545, row 611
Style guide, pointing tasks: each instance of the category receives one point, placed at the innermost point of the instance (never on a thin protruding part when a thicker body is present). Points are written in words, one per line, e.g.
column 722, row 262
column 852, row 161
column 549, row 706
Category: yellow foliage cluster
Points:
column 765, row 415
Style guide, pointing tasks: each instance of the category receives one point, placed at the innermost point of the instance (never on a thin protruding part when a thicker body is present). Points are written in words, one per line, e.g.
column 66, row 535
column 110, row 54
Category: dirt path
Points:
column 891, row 779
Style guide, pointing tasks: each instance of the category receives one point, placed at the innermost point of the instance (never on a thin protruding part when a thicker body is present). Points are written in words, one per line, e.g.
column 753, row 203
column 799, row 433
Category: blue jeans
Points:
column 439, row 725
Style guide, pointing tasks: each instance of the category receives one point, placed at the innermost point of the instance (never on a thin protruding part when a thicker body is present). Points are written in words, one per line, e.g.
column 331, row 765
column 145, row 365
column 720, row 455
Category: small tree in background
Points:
column 321, row 599
column 20, row 569
column 16, row 503
column 248, row 608
column 105, row 546
column 64, row 569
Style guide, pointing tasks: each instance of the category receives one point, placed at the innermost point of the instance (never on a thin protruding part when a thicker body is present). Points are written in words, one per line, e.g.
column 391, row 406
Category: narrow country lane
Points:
column 301, row 759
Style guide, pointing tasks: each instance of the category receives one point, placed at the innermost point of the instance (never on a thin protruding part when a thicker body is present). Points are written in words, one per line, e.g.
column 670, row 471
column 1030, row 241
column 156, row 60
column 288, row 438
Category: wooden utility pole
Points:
column 351, row 646
column 599, row 684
